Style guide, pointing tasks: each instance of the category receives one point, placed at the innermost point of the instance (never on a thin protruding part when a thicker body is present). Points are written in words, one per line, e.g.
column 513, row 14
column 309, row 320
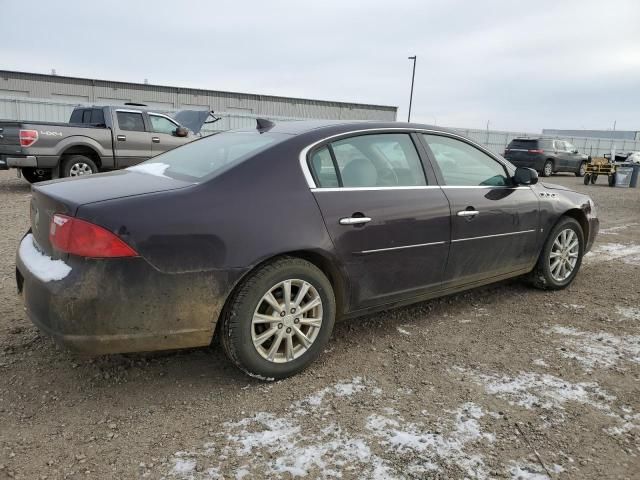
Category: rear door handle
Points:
column 121, row 138
column 468, row 213
column 354, row 220
column 155, row 139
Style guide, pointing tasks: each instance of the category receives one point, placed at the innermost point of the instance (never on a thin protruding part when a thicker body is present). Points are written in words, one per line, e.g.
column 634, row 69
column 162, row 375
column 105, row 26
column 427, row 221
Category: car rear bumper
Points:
column 120, row 305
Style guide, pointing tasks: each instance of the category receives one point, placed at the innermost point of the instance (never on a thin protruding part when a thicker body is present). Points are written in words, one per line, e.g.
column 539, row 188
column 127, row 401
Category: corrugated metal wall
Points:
column 102, row 92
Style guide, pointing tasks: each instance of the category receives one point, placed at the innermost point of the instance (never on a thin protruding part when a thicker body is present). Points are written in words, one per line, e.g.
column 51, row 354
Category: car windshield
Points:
column 210, row 156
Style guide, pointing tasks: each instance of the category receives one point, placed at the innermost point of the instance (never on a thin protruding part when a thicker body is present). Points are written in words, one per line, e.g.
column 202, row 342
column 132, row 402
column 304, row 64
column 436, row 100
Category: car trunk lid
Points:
column 66, row 195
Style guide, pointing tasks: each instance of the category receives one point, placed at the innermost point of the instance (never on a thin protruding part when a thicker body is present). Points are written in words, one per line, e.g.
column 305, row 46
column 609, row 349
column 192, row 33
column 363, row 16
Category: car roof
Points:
column 297, row 127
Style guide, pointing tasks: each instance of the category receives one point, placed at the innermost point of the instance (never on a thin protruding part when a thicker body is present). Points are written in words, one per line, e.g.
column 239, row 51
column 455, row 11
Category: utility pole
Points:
column 413, row 76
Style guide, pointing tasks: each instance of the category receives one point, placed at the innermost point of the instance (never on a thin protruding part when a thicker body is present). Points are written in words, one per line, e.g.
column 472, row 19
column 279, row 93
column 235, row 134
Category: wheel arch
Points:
column 321, row 260
column 82, row 149
column 581, row 218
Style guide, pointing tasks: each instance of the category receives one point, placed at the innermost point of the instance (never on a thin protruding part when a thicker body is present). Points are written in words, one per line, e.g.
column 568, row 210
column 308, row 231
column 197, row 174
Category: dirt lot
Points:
column 499, row 382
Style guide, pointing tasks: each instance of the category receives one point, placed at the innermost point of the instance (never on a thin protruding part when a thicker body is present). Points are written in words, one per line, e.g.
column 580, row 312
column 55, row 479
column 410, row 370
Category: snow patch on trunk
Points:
column 41, row 265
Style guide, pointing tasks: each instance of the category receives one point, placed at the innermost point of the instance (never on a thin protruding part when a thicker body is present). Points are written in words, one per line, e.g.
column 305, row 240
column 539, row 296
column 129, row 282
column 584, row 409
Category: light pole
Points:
column 413, row 76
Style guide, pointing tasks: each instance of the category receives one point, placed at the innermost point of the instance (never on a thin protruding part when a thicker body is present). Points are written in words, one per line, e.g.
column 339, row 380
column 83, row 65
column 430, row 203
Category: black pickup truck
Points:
column 96, row 139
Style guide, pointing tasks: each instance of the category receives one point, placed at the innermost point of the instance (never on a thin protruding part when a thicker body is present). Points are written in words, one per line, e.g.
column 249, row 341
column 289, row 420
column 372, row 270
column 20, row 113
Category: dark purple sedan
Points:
column 265, row 237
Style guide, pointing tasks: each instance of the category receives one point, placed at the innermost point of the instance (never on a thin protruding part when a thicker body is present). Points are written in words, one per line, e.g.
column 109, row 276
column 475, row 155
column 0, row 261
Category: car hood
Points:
column 194, row 120
column 74, row 192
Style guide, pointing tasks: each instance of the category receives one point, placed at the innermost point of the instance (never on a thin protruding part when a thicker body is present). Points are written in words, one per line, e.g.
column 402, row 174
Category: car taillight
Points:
column 538, row 150
column 28, row 137
column 78, row 237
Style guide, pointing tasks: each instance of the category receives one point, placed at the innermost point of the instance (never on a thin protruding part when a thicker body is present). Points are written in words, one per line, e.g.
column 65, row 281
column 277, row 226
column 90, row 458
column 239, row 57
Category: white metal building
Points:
column 34, row 88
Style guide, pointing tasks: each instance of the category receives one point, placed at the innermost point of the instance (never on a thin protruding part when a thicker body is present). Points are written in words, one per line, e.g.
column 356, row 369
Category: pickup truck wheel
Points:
column 35, row 175
column 78, row 165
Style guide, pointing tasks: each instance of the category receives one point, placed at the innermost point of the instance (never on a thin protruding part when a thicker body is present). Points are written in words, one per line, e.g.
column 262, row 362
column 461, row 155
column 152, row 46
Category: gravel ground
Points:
column 498, row 382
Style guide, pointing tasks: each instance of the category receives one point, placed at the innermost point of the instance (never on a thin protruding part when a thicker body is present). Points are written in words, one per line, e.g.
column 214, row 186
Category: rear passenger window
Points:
column 130, row 121
column 365, row 161
column 97, row 116
column 323, row 169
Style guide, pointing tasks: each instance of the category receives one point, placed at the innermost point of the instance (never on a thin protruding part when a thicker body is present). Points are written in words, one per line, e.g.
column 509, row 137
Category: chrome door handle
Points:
column 468, row 213
column 121, row 138
column 155, row 139
column 354, row 220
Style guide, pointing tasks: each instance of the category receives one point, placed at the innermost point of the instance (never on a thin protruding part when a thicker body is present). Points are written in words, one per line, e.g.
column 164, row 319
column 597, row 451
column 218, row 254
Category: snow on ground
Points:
column 629, row 313
column 39, row 264
column 535, row 390
column 307, row 441
column 615, row 230
column 529, row 471
column 597, row 350
column 153, row 168
column 629, row 254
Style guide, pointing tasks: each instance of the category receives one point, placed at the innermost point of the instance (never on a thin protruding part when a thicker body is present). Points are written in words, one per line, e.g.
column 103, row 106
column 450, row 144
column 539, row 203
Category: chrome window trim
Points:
column 519, row 187
column 128, row 111
column 377, row 250
column 305, row 151
column 164, row 116
column 492, row 236
column 364, row 189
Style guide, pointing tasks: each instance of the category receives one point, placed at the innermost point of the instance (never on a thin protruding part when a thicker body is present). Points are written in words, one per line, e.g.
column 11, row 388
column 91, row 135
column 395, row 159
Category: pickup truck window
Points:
column 162, row 124
column 97, row 116
column 130, row 121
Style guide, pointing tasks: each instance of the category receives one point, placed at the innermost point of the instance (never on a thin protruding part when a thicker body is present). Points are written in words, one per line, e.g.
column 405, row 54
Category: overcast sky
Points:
column 520, row 65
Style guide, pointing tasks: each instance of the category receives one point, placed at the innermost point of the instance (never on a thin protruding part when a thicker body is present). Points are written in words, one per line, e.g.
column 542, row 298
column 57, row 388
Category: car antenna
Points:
column 264, row 125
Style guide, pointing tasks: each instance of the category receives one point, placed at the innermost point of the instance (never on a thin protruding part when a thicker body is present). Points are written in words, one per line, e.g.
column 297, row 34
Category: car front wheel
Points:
column 547, row 170
column 581, row 169
column 279, row 319
column 561, row 256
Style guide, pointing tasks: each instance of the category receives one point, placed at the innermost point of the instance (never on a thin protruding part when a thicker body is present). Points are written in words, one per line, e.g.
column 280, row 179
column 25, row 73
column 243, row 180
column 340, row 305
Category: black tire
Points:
column 35, row 175
column 541, row 276
column 593, row 178
column 547, row 169
column 78, row 165
column 581, row 169
column 236, row 320
column 612, row 180
column 587, row 178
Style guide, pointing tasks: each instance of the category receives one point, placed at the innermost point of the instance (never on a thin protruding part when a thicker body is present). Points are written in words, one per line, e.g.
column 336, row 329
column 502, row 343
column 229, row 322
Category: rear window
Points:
column 210, row 156
column 524, row 143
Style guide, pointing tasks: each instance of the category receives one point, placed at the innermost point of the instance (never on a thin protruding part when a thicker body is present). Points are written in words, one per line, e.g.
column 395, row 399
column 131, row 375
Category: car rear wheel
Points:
column 78, row 165
column 547, row 170
column 581, row 169
column 35, row 175
column 279, row 319
column 561, row 256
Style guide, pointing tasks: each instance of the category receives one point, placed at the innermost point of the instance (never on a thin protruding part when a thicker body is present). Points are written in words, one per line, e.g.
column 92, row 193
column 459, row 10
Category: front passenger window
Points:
column 462, row 164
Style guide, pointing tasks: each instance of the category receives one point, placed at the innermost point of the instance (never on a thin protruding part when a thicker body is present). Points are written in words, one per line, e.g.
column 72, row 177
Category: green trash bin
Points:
column 623, row 176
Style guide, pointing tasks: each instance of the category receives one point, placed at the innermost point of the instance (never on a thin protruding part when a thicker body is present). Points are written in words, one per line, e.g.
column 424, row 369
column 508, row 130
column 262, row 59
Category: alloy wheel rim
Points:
column 80, row 168
column 583, row 168
column 564, row 255
column 286, row 321
column 548, row 169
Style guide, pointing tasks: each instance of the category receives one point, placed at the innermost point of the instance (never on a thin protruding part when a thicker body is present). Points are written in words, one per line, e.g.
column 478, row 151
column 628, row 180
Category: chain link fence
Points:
column 496, row 141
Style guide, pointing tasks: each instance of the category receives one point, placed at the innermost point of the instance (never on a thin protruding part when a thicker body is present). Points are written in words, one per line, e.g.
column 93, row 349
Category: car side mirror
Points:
column 525, row 176
column 181, row 132
column 575, row 151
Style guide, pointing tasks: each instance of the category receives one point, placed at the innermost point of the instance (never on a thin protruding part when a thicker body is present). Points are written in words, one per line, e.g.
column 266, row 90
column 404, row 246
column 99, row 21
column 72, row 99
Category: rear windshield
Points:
column 523, row 143
column 210, row 156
